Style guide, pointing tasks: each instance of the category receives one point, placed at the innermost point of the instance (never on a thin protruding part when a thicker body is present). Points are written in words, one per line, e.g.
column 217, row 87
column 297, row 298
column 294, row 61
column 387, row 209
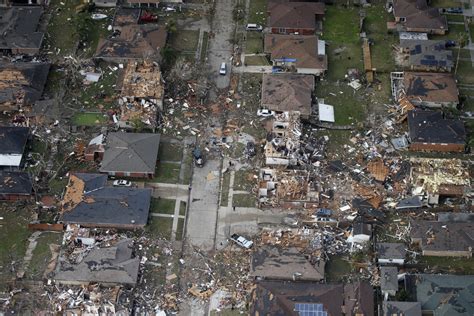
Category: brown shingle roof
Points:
column 287, row 14
column 431, row 87
column 419, row 15
column 288, row 92
column 303, row 48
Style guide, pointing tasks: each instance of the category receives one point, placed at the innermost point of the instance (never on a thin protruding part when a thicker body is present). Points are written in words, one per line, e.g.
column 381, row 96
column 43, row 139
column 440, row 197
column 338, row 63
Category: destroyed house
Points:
column 21, row 84
column 15, row 186
column 141, row 94
column 133, row 42
column 105, row 265
column 443, row 239
column 425, row 55
column 429, row 131
column 147, row 3
column 442, row 295
column 125, row 16
column 131, row 155
column 288, row 92
column 12, row 146
column 285, row 298
column 19, row 30
column 304, row 54
column 275, row 263
column 294, row 17
column 417, row 16
column 434, row 90
column 89, row 202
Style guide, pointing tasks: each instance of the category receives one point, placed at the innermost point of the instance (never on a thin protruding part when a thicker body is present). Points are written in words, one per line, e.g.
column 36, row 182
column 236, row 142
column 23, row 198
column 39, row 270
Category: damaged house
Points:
column 111, row 265
column 295, row 17
column 305, row 54
column 21, row 84
column 130, row 155
column 19, row 29
column 15, row 186
column 141, row 94
column 430, row 131
column 443, row 239
column 133, row 42
column 288, row 92
column 417, row 16
column 12, row 146
column 426, row 55
column 89, row 202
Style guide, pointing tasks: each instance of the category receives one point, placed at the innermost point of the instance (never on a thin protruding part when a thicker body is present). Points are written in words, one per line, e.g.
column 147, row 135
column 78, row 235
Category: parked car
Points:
column 250, row 150
column 197, row 157
column 453, row 10
column 254, row 27
column 323, row 212
column 122, row 183
column 223, row 69
column 327, row 220
column 450, row 43
column 265, row 112
column 241, row 241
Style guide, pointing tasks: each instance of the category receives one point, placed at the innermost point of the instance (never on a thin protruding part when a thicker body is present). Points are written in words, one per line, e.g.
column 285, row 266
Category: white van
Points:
column 254, row 27
column 223, row 69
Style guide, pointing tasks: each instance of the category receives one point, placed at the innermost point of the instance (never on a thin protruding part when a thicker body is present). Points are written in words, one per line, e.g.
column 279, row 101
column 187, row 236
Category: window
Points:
column 403, row 19
column 282, row 30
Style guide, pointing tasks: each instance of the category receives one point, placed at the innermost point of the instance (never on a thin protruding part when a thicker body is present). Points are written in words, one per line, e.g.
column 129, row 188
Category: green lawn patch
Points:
column 180, row 229
column 184, row 40
column 160, row 227
column 88, row 119
column 182, row 208
column 162, row 206
column 449, row 264
column 337, row 140
column 244, row 200
column 42, row 254
column 99, row 94
column 91, row 31
column 243, row 180
column 254, row 43
column 445, row 3
column 187, row 165
column 454, row 17
column 225, row 189
column 57, row 185
column 256, row 61
column 167, row 172
column 465, row 72
column 170, row 152
column 337, row 268
column 258, row 12
column 204, row 44
column 455, row 31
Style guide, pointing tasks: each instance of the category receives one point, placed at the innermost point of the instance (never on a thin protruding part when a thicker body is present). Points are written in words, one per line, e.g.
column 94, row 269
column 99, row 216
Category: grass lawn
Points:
column 162, row 206
column 445, row 3
column 244, row 200
column 341, row 31
column 88, row 119
column 167, row 172
column 184, row 40
column 92, row 31
column 256, row 61
column 454, row 17
column 465, row 72
column 243, row 180
column 42, row 254
column 337, row 139
column 170, row 152
column 455, row 31
column 254, row 43
column 182, row 208
column 188, row 169
column 205, row 43
column 56, row 79
column 180, row 229
column 14, row 236
column 99, row 94
column 225, row 189
column 258, row 12
column 57, row 186
column 449, row 265
column 337, row 268
column 471, row 29
column 160, row 227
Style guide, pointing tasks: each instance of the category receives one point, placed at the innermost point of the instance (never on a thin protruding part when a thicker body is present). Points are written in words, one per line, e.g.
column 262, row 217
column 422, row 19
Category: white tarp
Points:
column 326, row 112
column 10, row 160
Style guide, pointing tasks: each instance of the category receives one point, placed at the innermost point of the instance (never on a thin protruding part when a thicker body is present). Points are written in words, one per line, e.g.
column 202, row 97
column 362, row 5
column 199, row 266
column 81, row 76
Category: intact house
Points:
column 442, row 295
column 425, row 55
column 15, row 186
column 443, row 239
column 279, row 298
column 397, row 308
column 105, row 3
column 147, row 3
column 111, row 265
column 89, row 202
column 417, row 16
column 391, row 253
column 141, row 97
column 12, row 146
column 19, row 29
column 288, row 92
column 388, row 281
column 21, row 84
column 304, row 54
column 430, row 131
column 295, row 17
column 426, row 89
column 130, row 155
column 133, row 42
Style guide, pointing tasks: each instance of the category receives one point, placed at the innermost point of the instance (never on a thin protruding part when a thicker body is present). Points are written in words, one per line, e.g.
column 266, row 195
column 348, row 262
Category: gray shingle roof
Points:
column 15, row 183
column 131, row 152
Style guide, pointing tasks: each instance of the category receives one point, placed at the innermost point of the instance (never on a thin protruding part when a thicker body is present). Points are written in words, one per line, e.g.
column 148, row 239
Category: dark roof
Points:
column 396, row 308
column 18, row 27
column 131, row 152
column 278, row 298
column 388, row 278
column 286, row 14
column 431, row 87
column 15, row 183
column 419, row 15
column 391, row 250
column 443, row 295
column 361, row 228
column 428, row 53
column 359, row 298
column 22, row 83
column 13, row 139
column 89, row 202
column 431, row 127
column 455, row 217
